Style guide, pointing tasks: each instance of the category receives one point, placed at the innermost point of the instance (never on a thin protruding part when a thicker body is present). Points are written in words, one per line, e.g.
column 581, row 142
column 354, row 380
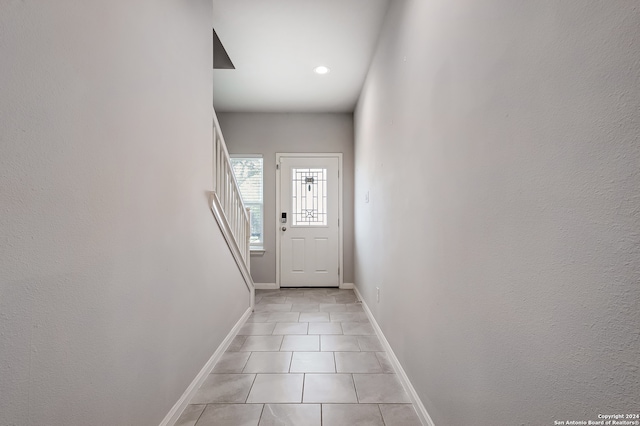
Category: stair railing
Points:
column 227, row 203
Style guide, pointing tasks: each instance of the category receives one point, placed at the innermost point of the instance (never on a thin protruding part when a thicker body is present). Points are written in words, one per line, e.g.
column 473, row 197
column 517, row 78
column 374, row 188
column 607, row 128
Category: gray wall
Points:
column 499, row 143
column 116, row 285
column 269, row 133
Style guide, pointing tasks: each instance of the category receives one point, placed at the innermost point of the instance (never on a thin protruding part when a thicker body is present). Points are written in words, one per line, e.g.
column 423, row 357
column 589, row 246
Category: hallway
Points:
column 305, row 357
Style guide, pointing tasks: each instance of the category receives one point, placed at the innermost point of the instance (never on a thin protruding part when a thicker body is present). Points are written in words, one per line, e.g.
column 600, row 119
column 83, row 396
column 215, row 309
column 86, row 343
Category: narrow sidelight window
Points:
column 249, row 175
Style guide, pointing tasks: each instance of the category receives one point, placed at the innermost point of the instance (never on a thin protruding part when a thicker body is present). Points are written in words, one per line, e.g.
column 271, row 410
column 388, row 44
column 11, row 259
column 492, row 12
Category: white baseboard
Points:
column 265, row 286
column 175, row 412
column 347, row 286
column 425, row 419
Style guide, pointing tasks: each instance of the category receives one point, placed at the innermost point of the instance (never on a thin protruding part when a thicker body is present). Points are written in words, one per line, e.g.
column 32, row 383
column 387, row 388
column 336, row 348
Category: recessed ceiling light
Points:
column 321, row 70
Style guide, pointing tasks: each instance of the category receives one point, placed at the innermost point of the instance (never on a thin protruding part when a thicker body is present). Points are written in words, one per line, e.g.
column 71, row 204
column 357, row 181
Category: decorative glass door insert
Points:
column 309, row 197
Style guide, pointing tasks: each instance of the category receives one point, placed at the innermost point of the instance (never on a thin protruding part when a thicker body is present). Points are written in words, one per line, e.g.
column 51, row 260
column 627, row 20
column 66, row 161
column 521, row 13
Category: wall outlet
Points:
column 378, row 294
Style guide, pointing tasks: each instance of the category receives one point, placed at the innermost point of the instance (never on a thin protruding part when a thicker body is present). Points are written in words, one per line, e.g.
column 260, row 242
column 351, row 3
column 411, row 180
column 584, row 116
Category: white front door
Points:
column 308, row 220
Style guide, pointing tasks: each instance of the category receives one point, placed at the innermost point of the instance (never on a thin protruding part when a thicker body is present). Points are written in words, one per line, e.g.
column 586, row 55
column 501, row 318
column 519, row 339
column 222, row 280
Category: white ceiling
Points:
column 276, row 44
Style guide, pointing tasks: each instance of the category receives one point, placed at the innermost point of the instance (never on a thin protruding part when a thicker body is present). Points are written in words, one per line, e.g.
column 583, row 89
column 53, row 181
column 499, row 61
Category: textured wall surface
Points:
column 499, row 143
column 269, row 133
column 116, row 285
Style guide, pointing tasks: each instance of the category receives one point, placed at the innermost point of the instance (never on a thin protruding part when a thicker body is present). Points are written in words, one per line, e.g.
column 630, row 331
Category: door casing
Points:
column 337, row 155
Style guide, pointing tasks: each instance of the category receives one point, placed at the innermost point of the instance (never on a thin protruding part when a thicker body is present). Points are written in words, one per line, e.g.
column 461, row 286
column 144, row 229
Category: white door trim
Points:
column 337, row 155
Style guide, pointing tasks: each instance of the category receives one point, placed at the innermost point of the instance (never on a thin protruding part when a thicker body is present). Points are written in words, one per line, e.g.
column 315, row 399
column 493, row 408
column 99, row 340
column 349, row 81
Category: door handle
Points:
column 284, row 228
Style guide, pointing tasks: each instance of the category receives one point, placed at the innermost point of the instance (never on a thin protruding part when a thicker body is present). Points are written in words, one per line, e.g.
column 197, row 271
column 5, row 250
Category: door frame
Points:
column 338, row 155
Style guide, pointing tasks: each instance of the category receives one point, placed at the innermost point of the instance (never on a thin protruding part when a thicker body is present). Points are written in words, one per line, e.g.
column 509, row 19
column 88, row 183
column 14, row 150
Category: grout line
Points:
column 355, row 388
column 281, row 343
column 251, row 388
column 381, row 416
column 245, row 364
column 262, row 412
column 201, row 413
column 375, row 356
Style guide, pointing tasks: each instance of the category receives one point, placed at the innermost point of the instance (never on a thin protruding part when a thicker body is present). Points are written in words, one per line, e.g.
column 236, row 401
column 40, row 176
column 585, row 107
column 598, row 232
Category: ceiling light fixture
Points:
column 321, row 70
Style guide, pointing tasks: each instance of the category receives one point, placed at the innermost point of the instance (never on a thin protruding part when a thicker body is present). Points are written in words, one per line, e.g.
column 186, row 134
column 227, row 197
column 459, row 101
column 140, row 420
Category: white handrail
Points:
column 226, row 188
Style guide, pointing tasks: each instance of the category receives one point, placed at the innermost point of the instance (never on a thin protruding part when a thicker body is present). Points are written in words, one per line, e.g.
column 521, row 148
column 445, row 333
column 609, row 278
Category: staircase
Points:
column 228, row 209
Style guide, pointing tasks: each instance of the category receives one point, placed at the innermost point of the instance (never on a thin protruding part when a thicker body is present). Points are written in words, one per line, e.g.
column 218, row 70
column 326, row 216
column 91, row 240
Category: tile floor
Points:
column 305, row 357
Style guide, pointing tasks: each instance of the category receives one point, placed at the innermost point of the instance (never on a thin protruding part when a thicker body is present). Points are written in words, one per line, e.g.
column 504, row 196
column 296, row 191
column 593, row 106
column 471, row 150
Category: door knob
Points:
column 284, row 228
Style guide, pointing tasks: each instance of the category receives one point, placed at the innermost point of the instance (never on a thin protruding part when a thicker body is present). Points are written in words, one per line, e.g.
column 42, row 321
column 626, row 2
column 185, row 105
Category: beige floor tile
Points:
column 291, row 415
column 354, row 307
column 277, row 388
column 283, row 317
column 305, row 307
column 236, row 343
column 299, row 300
column 379, row 389
column 339, row 343
column 313, row 362
column 357, row 328
column 262, row 343
column 385, row 362
column 272, row 299
column 256, row 329
column 370, row 344
column 351, row 415
column 291, row 328
column 399, row 415
column 314, row 317
column 349, row 317
column 339, row 292
column 231, row 362
column 231, row 415
column 357, row 362
column 329, row 388
column 325, row 328
column 335, row 372
column 268, row 362
column 346, row 299
column 231, row 388
column 190, row 415
column 300, row 343
column 258, row 317
column 333, row 307
column 321, row 299
column 273, row 307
